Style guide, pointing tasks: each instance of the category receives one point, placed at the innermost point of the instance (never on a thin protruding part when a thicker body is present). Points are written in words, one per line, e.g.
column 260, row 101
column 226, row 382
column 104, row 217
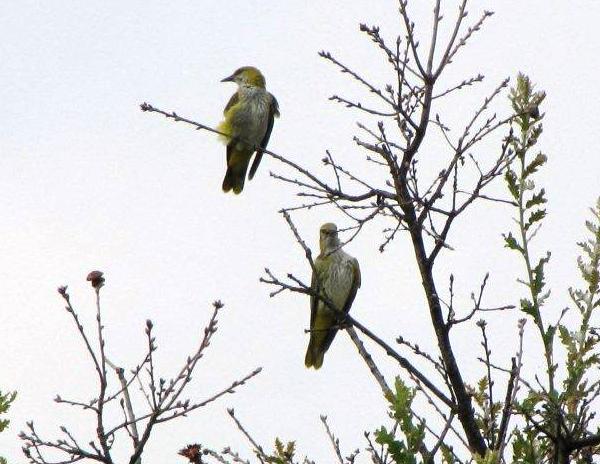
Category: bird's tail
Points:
column 314, row 354
column 237, row 165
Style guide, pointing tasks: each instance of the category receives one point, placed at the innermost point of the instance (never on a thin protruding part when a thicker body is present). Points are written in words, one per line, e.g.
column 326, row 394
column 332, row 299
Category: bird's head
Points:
column 247, row 76
column 328, row 237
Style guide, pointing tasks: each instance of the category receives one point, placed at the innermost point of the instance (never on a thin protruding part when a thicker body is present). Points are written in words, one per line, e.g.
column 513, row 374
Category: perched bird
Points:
column 248, row 124
column 337, row 278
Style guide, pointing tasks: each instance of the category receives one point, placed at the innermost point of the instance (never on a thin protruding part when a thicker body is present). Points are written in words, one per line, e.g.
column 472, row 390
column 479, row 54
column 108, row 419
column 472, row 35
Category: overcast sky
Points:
column 88, row 182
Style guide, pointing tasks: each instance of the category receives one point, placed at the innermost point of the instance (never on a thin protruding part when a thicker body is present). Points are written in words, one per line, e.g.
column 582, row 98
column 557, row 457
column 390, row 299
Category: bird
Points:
column 336, row 276
column 248, row 122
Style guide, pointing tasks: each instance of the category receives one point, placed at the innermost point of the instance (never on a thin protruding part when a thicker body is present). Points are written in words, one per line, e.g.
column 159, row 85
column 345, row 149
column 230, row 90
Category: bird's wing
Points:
column 314, row 301
column 355, row 284
column 232, row 101
column 342, row 292
column 273, row 112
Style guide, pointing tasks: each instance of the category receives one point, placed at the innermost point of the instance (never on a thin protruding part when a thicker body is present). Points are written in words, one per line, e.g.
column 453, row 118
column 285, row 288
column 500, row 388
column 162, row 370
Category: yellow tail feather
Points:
column 237, row 165
column 314, row 355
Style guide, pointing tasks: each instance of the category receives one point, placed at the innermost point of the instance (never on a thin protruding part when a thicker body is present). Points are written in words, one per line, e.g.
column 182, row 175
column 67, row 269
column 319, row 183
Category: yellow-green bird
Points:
column 337, row 277
column 248, row 123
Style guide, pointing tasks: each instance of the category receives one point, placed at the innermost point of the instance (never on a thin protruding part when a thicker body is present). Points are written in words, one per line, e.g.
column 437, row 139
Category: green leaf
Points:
column 397, row 449
column 532, row 167
column 536, row 216
column 529, row 403
column 511, row 180
column 283, row 454
column 524, row 448
column 491, row 457
column 565, row 337
column 528, row 308
column 538, row 275
column 402, row 450
column 5, row 401
column 447, row 456
column 548, row 336
column 511, row 242
column 537, row 199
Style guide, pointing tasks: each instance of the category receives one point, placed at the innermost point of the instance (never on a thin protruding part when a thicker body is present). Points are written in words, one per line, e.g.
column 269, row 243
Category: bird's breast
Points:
column 250, row 119
column 338, row 280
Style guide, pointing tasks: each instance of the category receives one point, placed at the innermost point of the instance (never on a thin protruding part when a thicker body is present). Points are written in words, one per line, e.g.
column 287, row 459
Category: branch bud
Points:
column 192, row 452
column 96, row 278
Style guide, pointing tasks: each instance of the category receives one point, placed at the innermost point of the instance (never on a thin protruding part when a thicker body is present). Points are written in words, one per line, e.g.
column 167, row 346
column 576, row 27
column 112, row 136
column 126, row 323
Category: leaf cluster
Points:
column 558, row 418
column 6, row 400
column 529, row 199
column 402, row 450
column 487, row 411
column 282, row 454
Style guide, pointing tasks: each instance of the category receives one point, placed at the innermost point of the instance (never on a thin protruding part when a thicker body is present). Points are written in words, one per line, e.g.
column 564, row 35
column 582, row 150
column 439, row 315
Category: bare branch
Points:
column 335, row 442
column 260, row 454
column 387, row 392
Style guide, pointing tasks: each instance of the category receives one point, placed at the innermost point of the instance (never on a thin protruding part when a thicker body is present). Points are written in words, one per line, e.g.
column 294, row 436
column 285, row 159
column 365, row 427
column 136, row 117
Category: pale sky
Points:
column 89, row 182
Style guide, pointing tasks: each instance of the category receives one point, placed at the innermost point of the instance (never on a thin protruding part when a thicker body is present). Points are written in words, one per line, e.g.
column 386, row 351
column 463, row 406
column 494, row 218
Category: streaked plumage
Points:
column 338, row 274
column 249, row 117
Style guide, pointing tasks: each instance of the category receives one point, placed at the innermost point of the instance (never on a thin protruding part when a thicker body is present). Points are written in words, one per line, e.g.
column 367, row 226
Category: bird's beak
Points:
column 228, row 79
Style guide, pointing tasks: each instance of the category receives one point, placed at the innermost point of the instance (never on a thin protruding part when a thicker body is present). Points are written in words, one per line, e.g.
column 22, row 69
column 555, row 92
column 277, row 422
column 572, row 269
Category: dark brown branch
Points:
column 592, row 440
column 464, row 408
column 508, row 400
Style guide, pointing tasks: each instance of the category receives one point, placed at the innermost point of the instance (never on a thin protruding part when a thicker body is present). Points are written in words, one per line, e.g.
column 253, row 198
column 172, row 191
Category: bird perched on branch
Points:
column 336, row 277
column 248, row 123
